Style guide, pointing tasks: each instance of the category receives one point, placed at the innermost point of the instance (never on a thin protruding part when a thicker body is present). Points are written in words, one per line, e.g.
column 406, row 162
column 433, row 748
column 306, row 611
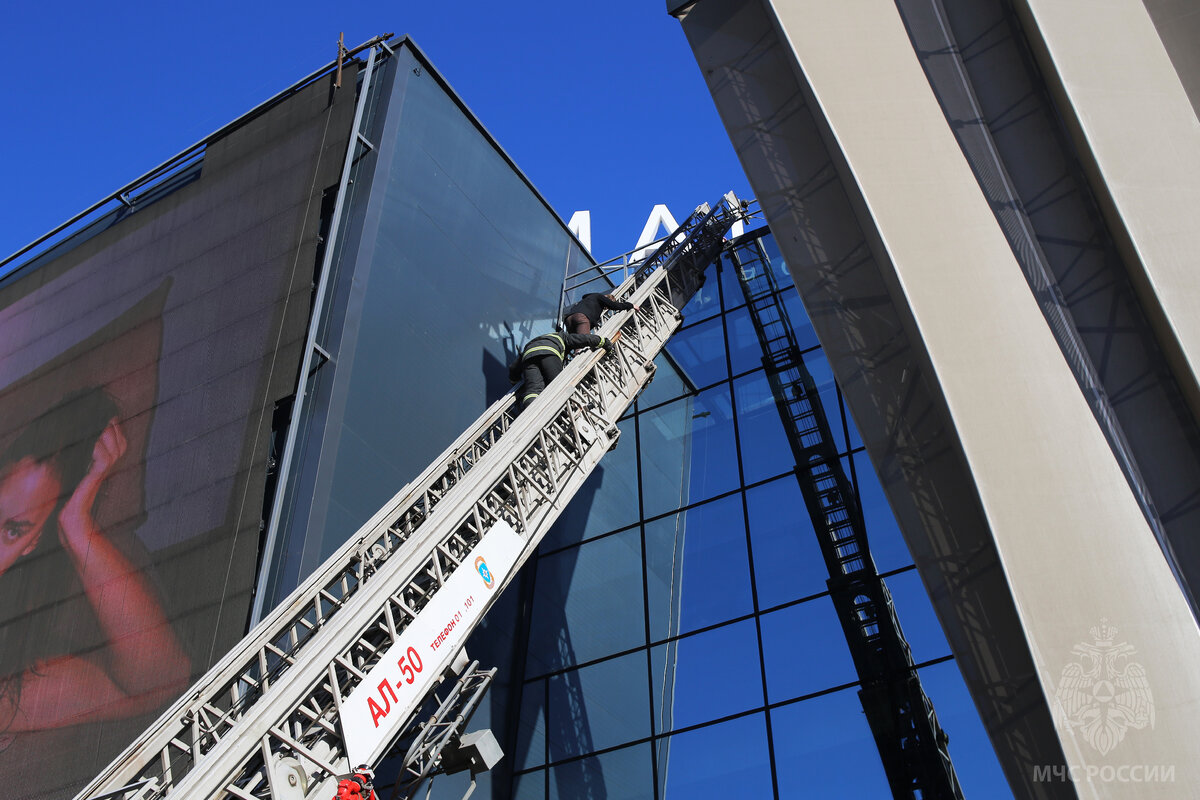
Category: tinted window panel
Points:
column 697, row 571
column 688, row 451
column 788, row 563
column 824, row 748
column 625, row 773
column 716, row 763
column 608, row 499
column 587, row 603
column 597, row 707
column 706, row 676
column 765, row 448
column 805, row 650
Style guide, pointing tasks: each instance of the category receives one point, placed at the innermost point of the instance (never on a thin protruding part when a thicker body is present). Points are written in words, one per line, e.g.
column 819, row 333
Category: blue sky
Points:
column 600, row 104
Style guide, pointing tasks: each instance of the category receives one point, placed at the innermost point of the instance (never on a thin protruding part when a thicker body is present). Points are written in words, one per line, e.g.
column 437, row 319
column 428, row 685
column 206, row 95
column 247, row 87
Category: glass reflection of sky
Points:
column 719, row 762
column 765, row 449
column 697, row 431
column 827, row 746
column 708, row 676
column 697, row 569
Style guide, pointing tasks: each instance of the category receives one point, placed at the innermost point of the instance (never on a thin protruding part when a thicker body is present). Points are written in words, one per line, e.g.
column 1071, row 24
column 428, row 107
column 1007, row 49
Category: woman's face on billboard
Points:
column 28, row 493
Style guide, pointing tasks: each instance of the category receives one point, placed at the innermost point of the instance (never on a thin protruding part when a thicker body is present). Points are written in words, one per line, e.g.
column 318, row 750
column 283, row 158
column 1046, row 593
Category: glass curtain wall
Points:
column 682, row 642
column 451, row 262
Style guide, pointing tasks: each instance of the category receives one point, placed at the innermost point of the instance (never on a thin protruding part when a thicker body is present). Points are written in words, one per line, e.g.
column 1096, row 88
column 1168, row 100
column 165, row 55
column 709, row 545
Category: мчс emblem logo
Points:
column 482, row 568
column 1103, row 694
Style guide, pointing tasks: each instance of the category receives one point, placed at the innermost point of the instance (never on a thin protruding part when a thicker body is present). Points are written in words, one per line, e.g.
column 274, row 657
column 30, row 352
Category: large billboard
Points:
column 140, row 364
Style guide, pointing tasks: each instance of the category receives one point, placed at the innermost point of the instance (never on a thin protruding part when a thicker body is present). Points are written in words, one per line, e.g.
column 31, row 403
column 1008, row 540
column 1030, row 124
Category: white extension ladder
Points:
column 333, row 676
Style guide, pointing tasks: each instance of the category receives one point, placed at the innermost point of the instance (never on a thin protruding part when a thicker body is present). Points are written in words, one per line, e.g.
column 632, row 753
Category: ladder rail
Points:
column 295, row 666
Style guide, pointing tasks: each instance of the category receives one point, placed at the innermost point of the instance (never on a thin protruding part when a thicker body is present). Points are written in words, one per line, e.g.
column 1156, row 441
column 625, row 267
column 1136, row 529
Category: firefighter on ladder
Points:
column 359, row 786
column 542, row 360
column 585, row 315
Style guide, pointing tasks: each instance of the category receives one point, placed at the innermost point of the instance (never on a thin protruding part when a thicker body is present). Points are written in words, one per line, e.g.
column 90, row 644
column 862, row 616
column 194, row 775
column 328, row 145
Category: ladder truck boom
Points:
column 332, row 677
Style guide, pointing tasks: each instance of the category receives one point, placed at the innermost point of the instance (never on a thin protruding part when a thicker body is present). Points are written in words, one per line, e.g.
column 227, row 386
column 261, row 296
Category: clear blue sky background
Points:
column 601, row 104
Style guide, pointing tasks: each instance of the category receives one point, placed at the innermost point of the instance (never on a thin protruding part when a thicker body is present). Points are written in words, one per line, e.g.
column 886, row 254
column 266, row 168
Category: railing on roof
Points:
column 126, row 198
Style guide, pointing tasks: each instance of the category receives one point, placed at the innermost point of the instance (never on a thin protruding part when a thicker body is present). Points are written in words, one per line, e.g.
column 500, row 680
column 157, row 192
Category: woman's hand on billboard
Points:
column 144, row 664
column 75, row 524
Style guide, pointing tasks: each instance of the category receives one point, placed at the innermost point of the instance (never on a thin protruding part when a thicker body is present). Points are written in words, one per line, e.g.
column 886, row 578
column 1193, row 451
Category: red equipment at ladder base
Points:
column 359, row 786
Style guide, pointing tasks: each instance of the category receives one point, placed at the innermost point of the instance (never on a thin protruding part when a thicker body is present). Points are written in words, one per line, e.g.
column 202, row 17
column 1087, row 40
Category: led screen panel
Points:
column 140, row 364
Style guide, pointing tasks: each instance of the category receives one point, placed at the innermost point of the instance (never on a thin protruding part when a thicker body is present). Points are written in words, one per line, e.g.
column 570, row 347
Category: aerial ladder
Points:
column 333, row 677
column 912, row 744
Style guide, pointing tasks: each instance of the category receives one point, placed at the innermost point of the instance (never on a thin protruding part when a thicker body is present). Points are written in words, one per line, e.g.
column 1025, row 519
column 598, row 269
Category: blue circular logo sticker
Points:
column 482, row 568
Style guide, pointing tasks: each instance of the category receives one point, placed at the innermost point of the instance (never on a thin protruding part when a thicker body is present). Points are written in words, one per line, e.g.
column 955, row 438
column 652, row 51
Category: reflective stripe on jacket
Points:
column 545, row 345
column 557, row 344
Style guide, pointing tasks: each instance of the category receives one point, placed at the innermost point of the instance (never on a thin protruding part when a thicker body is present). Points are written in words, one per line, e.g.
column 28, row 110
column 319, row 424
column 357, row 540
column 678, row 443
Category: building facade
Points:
column 692, row 536
column 450, row 257
column 996, row 247
column 1010, row 405
column 682, row 641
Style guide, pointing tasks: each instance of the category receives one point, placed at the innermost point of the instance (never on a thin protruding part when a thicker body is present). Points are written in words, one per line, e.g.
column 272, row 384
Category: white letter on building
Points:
column 581, row 226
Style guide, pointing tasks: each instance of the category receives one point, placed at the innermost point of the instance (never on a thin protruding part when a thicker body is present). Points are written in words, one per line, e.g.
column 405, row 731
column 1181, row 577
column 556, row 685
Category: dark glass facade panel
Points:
column 664, row 455
column 731, row 286
column 745, row 352
column 787, row 559
column 697, row 568
column 824, row 748
column 705, row 303
column 972, row 754
column 806, row 337
column 778, row 266
column 766, row 452
column 607, row 501
column 920, row 624
column 588, row 604
column 717, row 762
column 805, row 650
column 626, row 773
column 531, row 727
column 699, row 352
column 706, row 676
column 688, row 453
column 667, row 384
column 530, row 786
column 818, row 366
column 887, row 544
column 598, row 707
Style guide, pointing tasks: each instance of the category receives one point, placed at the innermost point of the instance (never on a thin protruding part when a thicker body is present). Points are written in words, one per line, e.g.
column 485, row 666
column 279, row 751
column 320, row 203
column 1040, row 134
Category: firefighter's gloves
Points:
column 606, row 343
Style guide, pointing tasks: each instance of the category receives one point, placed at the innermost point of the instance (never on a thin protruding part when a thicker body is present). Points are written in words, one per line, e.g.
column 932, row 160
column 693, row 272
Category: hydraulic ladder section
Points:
column 330, row 678
column 911, row 743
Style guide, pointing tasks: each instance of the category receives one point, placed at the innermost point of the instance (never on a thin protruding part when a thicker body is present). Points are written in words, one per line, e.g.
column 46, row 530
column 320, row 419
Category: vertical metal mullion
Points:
column 737, row 439
column 647, row 648
column 289, row 449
